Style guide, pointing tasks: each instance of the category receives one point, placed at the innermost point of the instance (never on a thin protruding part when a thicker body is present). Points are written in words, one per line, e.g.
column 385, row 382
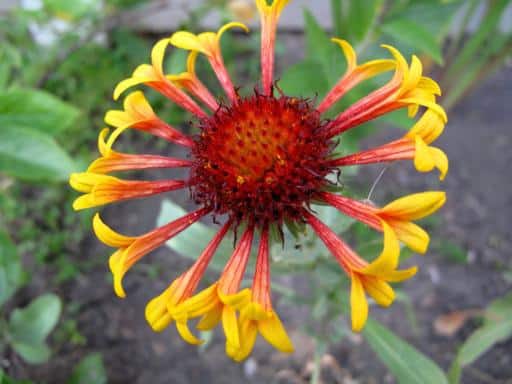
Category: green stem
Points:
column 472, row 47
column 475, row 74
column 457, row 38
column 317, row 369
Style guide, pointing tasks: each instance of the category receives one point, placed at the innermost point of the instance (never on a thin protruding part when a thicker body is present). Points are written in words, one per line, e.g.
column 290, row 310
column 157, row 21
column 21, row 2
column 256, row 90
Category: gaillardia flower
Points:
column 257, row 163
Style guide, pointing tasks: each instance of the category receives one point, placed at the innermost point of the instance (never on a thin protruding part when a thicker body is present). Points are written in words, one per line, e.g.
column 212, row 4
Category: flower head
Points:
column 260, row 162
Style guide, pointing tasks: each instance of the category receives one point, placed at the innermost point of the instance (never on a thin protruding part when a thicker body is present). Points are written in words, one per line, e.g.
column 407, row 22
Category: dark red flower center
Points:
column 260, row 160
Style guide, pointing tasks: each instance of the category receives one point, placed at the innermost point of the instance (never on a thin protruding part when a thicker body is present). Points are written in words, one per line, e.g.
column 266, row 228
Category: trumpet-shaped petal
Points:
column 414, row 207
column 398, row 214
column 101, row 189
column 407, row 88
column 257, row 316
column 269, row 17
column 208, row 43
column 253, row 320
column 112, row 161
column 370, row 278
column 132, row 249
column 154, row 77
column 138, row 114
column 358, row 304
column 413, row 146
column 192, row 84
column 354, row 75
column 160, row 311
column 220, row 301
column 427, row 158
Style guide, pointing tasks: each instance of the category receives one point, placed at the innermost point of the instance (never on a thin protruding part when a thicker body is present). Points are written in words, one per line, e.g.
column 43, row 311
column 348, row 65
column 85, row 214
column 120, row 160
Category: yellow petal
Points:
column 358, row 304
column 108, row 236
column 185, row 333
column 427, row 158
column 397, row 276
column 276, row 8
column 210, row 319
column 180, row 79
column 191, row 63
column 144, row 73
column 414, row 206
column 412, row 110
column 414, row 74
column 238, row 300
column 248, row 333
column 254, row 311
column 273, row 331
column 379, row 290
column 348, row 51
column 228, row 26
column 85, row 202
column 157, row 55
column 230, row 326
column 138, row 107
column 401, row 64
column 85, row 181
column 411, row 234
column 374, row 67
column 119, row 119
column 440, row 161
column 388, row 259
column 114, row 136
column 118, row 268
column 430, row 86
column 429, row 127
column 206, row 42
column 423, row 160
column 102, row 146
column 188, row 41
column 157, row 315
column 198, row 304
column 428, row 103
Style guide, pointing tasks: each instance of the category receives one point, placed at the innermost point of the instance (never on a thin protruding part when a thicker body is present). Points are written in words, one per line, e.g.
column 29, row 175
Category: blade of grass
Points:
column 486, row 29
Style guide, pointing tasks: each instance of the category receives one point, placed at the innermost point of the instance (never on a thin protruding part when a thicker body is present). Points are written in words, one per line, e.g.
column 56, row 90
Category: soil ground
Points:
column 476, row 217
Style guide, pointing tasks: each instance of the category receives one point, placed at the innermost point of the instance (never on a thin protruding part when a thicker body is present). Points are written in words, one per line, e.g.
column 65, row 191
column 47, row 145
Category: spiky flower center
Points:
column 261, row 159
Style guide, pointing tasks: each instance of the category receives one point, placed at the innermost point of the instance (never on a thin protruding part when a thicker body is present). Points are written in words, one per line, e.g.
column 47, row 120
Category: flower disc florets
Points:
column 261, row 159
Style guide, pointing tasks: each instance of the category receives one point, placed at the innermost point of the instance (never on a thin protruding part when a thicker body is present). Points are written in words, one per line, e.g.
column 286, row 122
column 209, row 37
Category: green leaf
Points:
column 321, row 50
column 4, row 379
column 305, row 79
column 500, row 309
column 32, row 156
column 483, row 339
column 35, row 110
column 89, row 371
column 478, row 40
column 433, row 15
column 36, row 353
column 71, row 9
column 191, row 242
column 405, row 362
column 29, row 327
column 361, row 15
column 497, row 327
column 11, row 272
column 414, row 35
column 332, row 218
